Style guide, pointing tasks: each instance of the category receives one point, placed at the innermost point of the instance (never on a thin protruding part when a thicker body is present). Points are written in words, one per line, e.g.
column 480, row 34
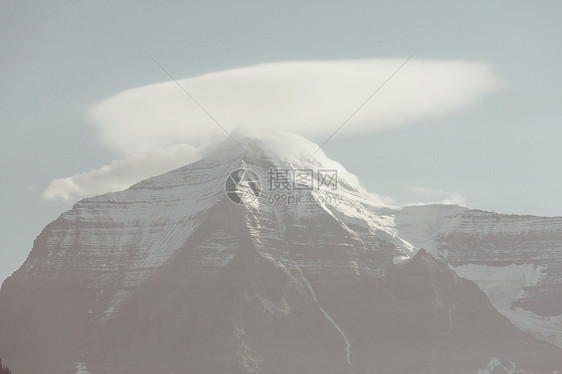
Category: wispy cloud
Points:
column 434, row 196
column 121, row 174
column 309, row 98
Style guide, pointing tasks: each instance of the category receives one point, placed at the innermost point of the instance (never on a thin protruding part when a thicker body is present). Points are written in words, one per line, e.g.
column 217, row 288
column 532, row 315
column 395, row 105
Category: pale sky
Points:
column 475, row 116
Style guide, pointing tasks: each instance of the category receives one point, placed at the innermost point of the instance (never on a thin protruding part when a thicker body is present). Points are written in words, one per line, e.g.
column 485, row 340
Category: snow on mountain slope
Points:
column 516, row 260
column 171, row 276
column 93, row 260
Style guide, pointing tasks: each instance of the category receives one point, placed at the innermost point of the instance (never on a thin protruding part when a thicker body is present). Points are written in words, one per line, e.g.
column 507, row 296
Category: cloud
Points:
column 156, row 128
column 310, row 98
column 433, row 196
column 121, row 174
column 280, row 145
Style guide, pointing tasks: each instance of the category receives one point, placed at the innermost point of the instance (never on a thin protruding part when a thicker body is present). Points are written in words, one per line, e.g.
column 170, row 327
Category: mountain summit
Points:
column 262, row 257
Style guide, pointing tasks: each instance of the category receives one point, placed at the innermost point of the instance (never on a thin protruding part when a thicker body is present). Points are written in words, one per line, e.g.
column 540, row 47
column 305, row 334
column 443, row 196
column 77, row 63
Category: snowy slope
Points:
column 171, row 276
column 92, row 261
column 516, row 260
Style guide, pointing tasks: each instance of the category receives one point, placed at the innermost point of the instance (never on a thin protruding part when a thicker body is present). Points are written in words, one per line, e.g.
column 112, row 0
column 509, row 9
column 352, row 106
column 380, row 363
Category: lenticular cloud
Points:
column 158, row 127
column 310, row 98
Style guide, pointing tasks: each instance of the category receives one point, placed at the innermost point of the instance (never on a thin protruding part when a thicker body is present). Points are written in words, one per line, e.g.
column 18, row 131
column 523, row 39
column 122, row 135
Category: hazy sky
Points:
column 496, row 147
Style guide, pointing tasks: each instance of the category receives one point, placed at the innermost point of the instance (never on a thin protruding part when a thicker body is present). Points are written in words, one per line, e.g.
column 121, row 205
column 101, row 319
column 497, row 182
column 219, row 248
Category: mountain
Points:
column 206, row 270
column 449, row 324
column 515, row 259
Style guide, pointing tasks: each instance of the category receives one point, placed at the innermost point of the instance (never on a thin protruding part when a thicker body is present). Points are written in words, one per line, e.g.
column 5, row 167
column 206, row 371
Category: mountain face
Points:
column 516, row 260
column 172, row 276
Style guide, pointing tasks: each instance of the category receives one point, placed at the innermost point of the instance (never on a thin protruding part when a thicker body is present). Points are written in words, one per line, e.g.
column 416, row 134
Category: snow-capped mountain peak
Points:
column 265, row 256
